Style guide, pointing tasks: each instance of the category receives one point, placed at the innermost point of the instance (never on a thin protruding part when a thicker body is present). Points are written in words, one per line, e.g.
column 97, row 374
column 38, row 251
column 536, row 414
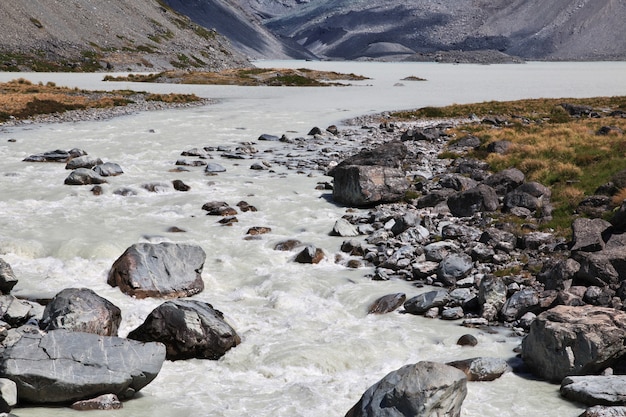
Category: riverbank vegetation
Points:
column 273, row 77
column 575, row 146
column 21, row 99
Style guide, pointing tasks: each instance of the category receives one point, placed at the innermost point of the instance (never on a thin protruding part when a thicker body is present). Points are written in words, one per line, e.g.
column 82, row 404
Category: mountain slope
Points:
column 93, row 35
column 242, row 28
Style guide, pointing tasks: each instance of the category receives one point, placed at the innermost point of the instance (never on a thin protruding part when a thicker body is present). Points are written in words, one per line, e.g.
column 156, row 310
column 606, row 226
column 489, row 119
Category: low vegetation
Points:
column 21, row 99
column 246, row 77
column 574, row 146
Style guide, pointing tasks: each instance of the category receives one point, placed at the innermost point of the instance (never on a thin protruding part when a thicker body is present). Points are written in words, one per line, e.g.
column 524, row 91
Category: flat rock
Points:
column 595, row 389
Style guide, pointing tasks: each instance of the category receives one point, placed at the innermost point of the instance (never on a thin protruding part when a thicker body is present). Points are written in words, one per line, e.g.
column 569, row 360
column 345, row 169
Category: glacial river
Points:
column 308, row 347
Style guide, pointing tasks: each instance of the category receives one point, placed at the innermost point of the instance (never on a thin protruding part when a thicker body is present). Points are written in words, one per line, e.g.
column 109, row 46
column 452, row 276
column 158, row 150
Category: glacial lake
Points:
column 308, row 347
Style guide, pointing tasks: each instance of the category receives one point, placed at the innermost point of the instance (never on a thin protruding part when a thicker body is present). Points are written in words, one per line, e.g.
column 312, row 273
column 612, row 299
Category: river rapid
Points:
column 308, row 347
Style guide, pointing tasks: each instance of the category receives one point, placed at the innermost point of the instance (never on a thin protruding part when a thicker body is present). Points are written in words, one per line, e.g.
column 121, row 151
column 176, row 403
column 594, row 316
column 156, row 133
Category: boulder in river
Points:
column 570, row 340
column 424, row 389
column 188, row 329
column 108, row 169
column 62, row 366
column 482, row 369
column 84, row 176
column 159, row 270
column 595, row 389
column 371, row 177
column 7, row 277
column 81, row 310
column 386, row 303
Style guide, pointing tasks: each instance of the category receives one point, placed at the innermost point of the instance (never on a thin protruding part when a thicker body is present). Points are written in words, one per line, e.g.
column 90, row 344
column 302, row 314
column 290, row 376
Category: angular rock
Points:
column 287, row 245
column 258, row 230
column 475, row 200
column 188, row 329
column 505, row 181
column 568, row 341
column 595, row 389
column 159, row 270
column 589, row 235
column 520, row 303
column 424, row 389
column 14, row 311
column 58, row 155
column 603, row 411
column 607, row 267
column 310, row 255
column 454, row 267
column 482, row 369
column 62, row 366
column 219, row 208
column 81, row 310
column 423, row 302
column 8, row 395
column 7, row 277
column 102, row 402
column 344, row 228
column 84, row 176
column 84, row 161
column 214, row 168
column 179, row 185
column 386, row 303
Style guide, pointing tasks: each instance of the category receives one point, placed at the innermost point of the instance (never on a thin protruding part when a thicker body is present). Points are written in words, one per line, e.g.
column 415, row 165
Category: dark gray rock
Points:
column 607, row 267
column 537, row 240
column 179, row 185
column 159, row 270
column 475, row 200
column 16, row 312
column 268, row 137
column 287, row 245
column 84, row 176
column 424, row 389
column 454, row 267
column 81, row 310
column 8, row 395
column 589, row 235
column 452, row 313
column 467, row 340
column 58, row 155
column 595, row 389
column 499, row 239
column 108, row 169
column 560, row 275
column 437, row 251
column 568, row 341
column 62, row 366
column 213, row 168
column 505, row 181
column 499, row 146
column 520, row 303
column 310, row 255
column 218, row 208
column 7, row 277
column 457, row 182
column 482, row 369
column 386, row 303
column 604, row 411
column 188, row 329
column 423, row 302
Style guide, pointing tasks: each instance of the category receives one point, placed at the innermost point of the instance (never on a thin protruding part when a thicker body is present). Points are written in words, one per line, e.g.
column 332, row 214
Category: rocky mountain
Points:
column 400, row 29
column 92, row 35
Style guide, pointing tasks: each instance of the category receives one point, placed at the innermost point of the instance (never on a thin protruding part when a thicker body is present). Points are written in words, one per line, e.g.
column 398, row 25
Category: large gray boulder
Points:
column 595, row 389
column 505, row 181
column 84, row 176
column 570, row 340
column 589, row 235
column 424, row 389
column 188, row 329
column 81, row 310
column 62, row 366
column 453, row 267
column 159, row 270
column 7, row 277
column 604, row 411
column 481, row 198
column 423, row 302
column 371, row 177
column 8, row 395
column 606, row 267
column 482, row 369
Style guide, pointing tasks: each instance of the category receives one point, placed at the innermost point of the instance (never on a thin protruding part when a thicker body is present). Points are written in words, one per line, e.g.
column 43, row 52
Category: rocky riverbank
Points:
column 474, row 237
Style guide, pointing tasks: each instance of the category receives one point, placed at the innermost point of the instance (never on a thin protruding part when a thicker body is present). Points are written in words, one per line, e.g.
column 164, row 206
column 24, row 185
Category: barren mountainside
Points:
column 91, row 35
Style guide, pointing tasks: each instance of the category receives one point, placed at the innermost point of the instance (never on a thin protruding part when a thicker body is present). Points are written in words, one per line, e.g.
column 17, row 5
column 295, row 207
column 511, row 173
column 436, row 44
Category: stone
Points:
column 156, row 187
column 457, row 182
column 268, row 137
column 84, row 161
column 14, row 311
column 604, row 411
column 8, row 280
column 479, row 199
column 386, row 303
column 159, row 270
column 452, row 313
column 606, row 267
column 454, row 267
column 425, row 301
column 84, row 176
column 499, row 146
column 188, row 329
column 62, row 366
column 179, row 185
column 81, row 310
column 424, row 389
column 467, row 340
column 371, row 177
column 595, row 389
column 310, row 255
column 214, row 168
column 218, row 208
column 246, row 207
column 499, row 239
column 482, row 369
column 567, row 341
column 589, row 235
column 287, row 245
column 344, row 228
column 108, row 169
column 8, row 395
column 102, row 402
column 437, row 251
column 520, row 303
column 505, row 181
column 258, row 230
column 58, row 155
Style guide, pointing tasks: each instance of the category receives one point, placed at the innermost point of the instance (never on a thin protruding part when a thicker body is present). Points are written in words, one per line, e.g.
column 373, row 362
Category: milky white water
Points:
column 308, row 348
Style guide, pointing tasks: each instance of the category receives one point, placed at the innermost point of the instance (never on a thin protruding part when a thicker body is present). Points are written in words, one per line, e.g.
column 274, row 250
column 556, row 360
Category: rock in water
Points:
column 482, row 369
column 387, row 303
column 103, row 402
column 159, row 270
column 7, row 277
column 63, row 366
column 424, row 389
column 569, row 340
column 189, row 329
column 84, row 176
column 595, row 389
column 81, row 310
